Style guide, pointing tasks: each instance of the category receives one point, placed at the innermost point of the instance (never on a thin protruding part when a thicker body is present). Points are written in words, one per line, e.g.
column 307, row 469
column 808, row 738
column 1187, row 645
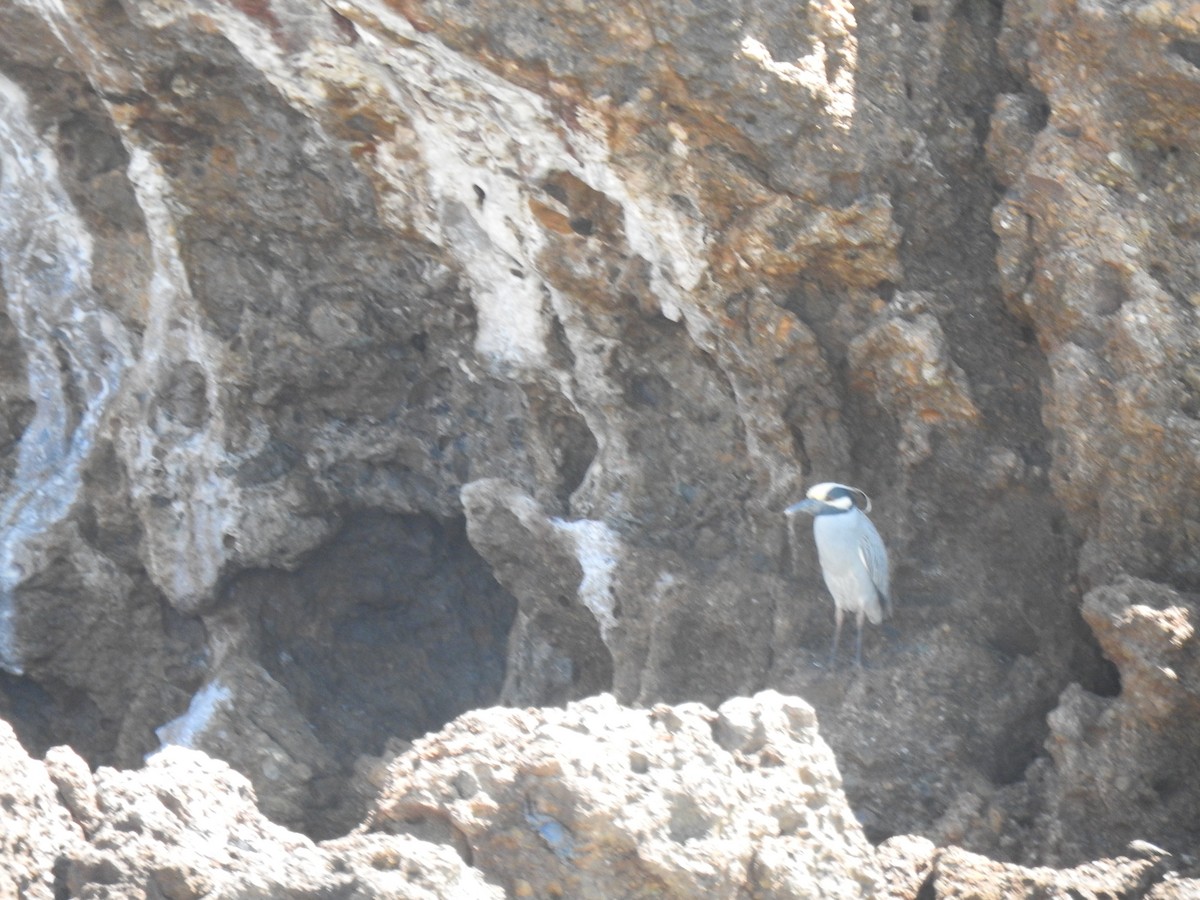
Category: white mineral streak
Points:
column 483, row 146
column 475, row 132
column 599, row 550
column 184, row 540
column 834, row 40
column 184, row 730
column 77, row 37
column 480, row 140
column 76, row 352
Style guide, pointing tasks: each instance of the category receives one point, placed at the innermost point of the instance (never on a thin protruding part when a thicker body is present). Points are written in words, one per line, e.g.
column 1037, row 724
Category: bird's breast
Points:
column 846, row 575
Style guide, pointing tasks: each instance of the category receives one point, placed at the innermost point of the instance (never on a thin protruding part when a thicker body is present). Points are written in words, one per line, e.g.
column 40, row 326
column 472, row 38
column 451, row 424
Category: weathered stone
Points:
column 35, row 829
column 960, row 875
column 597, row 800
column 905, row 363
column 1174, row 889
column 247, row 718
column 594, row 800
column 1103, row 204
column 186, row 826
column 906, row 862
column 1116, row 760
column 379, row 359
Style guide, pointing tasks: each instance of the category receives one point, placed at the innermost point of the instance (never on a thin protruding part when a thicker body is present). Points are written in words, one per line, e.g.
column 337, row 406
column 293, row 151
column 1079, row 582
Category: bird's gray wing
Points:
column 874, row 556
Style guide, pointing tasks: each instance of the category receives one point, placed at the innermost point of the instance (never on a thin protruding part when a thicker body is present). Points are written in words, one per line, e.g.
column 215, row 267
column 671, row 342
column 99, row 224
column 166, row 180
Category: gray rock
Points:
column 594, row 800
column 598, row 800
column 380, row 361
column 186, row 826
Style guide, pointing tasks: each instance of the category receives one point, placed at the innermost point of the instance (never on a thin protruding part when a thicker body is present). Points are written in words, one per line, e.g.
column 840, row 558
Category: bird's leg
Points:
column 858, row 641
column 837, row 634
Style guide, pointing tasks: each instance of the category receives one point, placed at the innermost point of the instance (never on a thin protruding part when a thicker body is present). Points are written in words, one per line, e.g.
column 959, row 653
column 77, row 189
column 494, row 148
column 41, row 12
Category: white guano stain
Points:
column 834, row 38
column 184, row 543
column 598, row 550
column 76, row 352
column 187, row 728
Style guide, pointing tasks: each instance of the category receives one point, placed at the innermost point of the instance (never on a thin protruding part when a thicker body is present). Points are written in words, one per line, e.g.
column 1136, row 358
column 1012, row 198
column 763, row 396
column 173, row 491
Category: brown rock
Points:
column 961, row 875
column 1116, row 759
column 375, row 361
column 186, row 826
column 597, row 800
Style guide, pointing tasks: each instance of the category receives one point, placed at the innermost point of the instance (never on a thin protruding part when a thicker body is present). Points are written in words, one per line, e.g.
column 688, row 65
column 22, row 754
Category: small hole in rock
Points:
column 1188, row 51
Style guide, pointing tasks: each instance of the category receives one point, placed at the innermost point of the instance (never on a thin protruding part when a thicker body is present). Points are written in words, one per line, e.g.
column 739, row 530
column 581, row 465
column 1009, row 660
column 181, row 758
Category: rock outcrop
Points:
column 600, row 801
column 1118, row 763
column 368, row 362
column 956, row 874
column 186, row 826
column 594, row 800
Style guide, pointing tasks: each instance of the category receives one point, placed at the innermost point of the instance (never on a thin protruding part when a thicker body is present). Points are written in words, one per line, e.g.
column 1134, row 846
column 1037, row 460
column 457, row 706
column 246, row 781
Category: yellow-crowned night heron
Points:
column 853, row 558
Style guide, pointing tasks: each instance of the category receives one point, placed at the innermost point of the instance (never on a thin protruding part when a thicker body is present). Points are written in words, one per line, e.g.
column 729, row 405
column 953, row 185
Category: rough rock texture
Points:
column 958, row 875
column 594, row 800
column 369, row 361
column 914, row 867
column 1139, row 745
column 1096, row 254
column 598, row 801
column 186, row 826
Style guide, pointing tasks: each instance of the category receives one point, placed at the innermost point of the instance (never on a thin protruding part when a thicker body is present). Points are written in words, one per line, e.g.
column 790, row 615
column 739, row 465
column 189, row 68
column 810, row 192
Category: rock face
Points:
column 957, row 874
column 368, row 362
column 602, row 801
column 186, row 826
column 594, row 800
column 1136, row 745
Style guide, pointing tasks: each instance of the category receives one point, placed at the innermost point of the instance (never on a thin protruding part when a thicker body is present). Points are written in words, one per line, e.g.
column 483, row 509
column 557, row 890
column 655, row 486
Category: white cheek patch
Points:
column 821, row 492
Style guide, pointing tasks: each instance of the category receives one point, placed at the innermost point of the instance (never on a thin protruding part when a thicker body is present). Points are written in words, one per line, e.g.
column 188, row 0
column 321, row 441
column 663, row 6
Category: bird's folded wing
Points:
column 874, row 556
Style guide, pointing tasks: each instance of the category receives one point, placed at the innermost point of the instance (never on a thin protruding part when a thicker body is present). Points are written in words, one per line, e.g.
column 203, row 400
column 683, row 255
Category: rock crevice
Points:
column 369, row 362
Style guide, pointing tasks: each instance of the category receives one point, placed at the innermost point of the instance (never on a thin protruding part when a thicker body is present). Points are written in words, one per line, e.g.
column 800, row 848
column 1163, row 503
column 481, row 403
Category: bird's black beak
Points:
column 810, row 506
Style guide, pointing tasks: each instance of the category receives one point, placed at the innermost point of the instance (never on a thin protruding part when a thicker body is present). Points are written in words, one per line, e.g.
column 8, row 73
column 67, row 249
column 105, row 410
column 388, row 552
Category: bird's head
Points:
column 829, row 497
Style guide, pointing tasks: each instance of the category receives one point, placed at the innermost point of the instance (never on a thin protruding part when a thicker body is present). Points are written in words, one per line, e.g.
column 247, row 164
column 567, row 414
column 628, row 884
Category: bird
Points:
column 854, row 561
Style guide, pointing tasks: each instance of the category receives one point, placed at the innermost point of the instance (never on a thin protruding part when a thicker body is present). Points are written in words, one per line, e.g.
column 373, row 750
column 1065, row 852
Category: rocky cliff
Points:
column 594, row 801
column 367, row 362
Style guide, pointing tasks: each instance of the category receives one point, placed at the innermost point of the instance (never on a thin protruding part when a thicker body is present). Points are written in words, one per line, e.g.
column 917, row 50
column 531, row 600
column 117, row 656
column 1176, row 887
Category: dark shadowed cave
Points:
column 391, row 629
column 591, row 295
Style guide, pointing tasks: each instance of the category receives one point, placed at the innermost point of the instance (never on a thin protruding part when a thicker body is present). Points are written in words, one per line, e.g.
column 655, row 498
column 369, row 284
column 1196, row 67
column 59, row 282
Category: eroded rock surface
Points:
column 1118, row 762
column 958, row 874
column 187, row 826
column 598, row 800
column 366, row 362
column 594, row 800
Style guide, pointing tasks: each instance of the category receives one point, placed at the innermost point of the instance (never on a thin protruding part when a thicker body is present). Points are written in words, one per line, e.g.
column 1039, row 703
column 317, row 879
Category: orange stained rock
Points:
column 549, row 218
